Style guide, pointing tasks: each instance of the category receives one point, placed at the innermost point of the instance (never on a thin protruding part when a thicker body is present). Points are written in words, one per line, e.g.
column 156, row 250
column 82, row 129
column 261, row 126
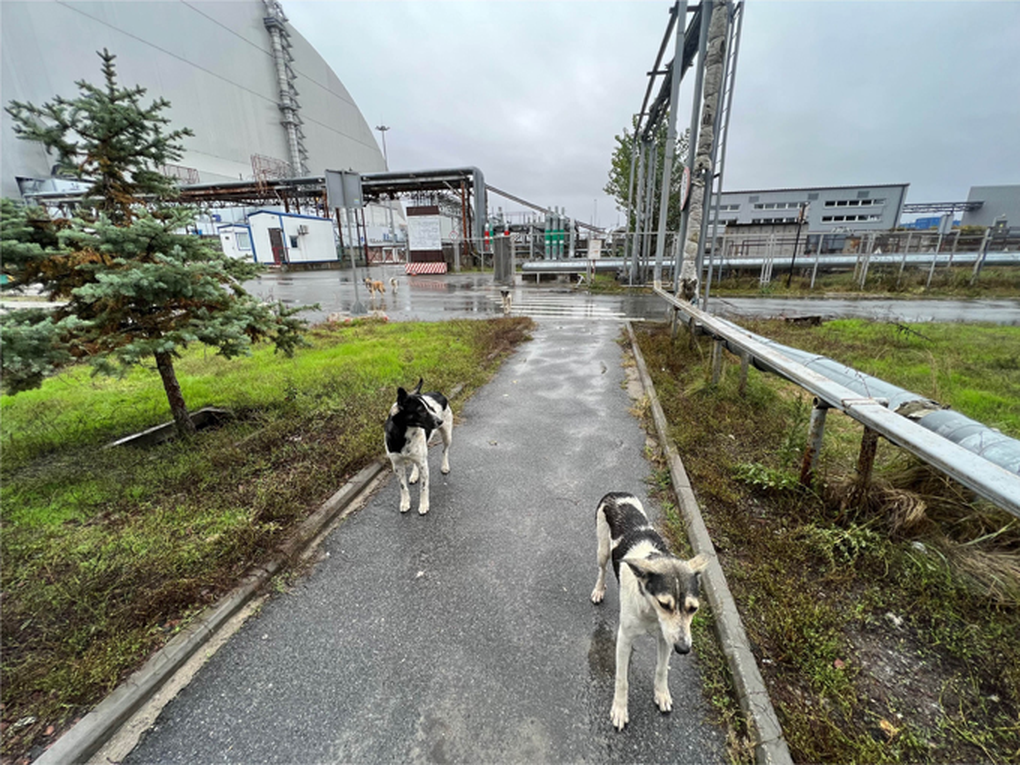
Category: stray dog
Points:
column 375, row 286
column 393, row 284
column 508, row 300
column 659, row 593
column 412, row 420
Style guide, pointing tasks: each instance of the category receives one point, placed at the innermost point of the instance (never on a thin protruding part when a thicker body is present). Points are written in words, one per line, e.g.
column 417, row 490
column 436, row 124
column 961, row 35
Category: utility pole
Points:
column 386, row 162
column 800, row 224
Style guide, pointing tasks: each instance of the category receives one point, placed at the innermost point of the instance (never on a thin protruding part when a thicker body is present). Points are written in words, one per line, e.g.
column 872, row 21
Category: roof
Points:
column 820, row 188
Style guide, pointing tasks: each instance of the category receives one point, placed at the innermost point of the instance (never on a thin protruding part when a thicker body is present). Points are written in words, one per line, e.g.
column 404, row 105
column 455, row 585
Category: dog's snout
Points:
column 682, row 648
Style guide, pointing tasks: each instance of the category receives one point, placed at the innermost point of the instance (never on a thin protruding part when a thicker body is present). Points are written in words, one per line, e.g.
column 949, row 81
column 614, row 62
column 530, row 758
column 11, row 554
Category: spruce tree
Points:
column 131, row 286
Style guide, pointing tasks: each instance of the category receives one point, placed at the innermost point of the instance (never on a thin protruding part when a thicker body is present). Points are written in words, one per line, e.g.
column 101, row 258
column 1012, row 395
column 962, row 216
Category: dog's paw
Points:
column 413, row 479
column 422, row 509
column 597, row 594
column 445, row 470
column 619, row 716
column 663, row 700
column 405, row 505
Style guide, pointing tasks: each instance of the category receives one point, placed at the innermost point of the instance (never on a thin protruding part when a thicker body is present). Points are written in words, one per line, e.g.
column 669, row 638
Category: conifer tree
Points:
column 131, row 286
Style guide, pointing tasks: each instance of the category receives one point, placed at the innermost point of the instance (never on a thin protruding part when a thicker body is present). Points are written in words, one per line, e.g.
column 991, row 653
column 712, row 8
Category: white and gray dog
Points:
column 412, row 420
column 659, row 593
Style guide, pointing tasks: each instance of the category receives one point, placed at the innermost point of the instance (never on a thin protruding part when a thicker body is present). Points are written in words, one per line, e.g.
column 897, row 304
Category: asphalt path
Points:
column 474, row 295
column 466, row 635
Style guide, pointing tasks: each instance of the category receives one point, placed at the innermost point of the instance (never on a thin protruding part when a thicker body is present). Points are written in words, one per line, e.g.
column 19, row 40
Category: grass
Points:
column 107, row 553
column 885, row 630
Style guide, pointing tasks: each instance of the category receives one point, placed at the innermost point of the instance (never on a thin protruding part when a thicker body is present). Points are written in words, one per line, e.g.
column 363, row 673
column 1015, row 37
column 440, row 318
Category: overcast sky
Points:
column 827, row 93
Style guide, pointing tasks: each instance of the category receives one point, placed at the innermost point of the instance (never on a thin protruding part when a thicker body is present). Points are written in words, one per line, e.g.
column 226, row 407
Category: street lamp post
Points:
column 386, row 161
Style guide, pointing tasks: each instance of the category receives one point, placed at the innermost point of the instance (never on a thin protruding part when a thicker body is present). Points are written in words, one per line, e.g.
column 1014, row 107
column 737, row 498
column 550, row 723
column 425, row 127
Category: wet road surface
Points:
column 435, row 298
column 465, row 635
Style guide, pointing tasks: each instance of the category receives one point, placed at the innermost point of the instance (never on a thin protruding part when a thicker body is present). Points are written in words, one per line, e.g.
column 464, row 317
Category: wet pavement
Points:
column 466, row 635
column 436, row 298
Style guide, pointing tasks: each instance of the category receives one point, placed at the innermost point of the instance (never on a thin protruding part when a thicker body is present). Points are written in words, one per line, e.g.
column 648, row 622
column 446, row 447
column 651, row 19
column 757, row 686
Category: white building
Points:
column 828, row 208
column 221, row 65
column 276, row 238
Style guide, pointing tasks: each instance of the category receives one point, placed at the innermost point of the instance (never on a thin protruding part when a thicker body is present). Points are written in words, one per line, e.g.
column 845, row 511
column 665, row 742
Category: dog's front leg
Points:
column 423, row 498
column 662, row 698
column 618, row 714
column 446, row 431
column 405, row 492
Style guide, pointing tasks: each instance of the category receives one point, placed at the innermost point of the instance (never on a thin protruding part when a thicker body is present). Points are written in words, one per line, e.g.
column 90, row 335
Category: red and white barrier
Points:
column 413, row 269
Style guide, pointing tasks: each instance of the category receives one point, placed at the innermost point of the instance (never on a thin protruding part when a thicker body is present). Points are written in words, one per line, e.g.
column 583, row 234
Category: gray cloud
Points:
column 827, row 92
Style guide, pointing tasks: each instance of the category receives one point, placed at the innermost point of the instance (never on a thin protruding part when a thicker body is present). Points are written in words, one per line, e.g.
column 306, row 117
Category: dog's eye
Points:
column 691, row 610
column 667, row 605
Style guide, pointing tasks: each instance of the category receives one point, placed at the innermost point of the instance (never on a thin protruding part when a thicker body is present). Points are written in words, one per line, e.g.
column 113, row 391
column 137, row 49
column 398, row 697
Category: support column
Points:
column 717, row 359
column 816, row 431
column 865, row 463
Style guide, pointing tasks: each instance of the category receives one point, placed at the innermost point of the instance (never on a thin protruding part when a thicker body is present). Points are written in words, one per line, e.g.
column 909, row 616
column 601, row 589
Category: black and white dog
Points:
column 659, row 592
column 412, row 420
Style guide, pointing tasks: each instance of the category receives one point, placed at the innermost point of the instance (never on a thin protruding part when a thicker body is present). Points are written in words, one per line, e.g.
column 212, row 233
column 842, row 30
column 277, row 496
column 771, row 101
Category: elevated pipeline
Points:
column 975, row 455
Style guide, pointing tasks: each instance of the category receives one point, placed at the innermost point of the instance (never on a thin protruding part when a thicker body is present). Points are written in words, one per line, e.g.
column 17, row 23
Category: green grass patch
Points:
column 885, row 630
column 106, row 553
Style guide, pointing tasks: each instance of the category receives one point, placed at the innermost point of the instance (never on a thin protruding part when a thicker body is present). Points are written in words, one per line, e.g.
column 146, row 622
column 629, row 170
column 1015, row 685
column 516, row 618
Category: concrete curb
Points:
column 769, row 745
column 92, row 731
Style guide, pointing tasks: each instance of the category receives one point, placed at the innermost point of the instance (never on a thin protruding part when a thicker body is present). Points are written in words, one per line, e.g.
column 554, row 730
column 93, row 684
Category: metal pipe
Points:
column 646, row 231
column 832, row 261
column 985, row 461
column 635, row 249
column 667, row 167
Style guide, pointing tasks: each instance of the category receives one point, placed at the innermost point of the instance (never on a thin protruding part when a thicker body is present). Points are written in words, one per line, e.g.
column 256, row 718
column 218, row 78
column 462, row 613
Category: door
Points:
column 276, row 242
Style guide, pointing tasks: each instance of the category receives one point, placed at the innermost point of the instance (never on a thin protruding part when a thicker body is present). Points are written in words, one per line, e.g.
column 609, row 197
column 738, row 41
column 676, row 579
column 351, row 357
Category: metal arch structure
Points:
column 689, row 49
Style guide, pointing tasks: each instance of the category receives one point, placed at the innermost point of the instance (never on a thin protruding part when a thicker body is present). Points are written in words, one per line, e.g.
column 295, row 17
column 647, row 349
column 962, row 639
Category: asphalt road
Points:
column 435, row 298
column 465, row 635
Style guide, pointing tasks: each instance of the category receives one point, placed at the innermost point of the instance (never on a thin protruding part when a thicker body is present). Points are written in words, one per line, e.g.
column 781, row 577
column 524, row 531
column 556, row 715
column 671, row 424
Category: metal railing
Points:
column 976, row 473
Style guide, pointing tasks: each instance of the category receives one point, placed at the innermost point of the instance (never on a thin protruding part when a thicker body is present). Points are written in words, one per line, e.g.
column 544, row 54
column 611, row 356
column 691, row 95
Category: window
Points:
column 243, row 239
column 294, row 242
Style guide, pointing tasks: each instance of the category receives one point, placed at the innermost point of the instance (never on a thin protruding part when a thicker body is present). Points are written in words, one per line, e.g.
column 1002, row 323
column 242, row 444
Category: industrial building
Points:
column 998, row 205
column 261, row 101
column 828, row 208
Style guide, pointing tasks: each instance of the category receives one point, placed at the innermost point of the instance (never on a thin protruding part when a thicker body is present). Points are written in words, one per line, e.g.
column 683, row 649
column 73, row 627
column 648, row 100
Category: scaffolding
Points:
column 710, row 44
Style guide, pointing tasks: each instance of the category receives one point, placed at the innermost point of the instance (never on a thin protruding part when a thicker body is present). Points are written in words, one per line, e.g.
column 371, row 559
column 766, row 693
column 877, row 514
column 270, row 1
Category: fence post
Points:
column 903, row 262
column 745, row 359
column 717, row 359
column 952, row 252
column 865, row 463
column 931, row 271
column 818, row 253
column 982, row 253
column 816, row 431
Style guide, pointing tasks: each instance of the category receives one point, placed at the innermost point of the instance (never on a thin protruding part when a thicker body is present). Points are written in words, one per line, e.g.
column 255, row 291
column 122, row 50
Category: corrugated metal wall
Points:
column 211, row 60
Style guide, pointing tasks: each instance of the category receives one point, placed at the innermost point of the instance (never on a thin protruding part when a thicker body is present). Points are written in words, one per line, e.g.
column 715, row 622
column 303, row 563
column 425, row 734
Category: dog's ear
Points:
column 418, row 389
column 401, row 396
column 640, row 569
column 698, row 563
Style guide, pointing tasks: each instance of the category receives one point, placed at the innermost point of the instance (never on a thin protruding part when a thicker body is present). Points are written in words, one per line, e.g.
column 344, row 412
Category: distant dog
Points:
column 659, row 593
column 508, row 300
column 375, row 286
column 393, row 284
column 412, row 420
